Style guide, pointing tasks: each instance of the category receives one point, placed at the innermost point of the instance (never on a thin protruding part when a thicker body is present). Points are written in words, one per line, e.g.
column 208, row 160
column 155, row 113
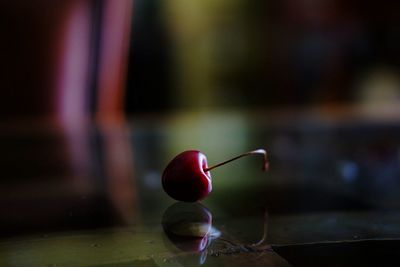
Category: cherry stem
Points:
column 254, row 152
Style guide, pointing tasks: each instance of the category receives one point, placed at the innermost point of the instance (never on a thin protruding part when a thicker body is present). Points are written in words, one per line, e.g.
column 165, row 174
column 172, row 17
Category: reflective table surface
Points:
column 90, row 194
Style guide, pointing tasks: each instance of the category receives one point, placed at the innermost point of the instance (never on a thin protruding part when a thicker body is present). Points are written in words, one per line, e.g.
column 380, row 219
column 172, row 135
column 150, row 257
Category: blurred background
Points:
column 257, row 54
column 203, row 55
column 98, row 95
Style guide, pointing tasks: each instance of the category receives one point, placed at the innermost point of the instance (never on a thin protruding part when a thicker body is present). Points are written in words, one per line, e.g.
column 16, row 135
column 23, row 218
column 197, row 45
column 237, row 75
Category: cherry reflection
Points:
column 189, row 227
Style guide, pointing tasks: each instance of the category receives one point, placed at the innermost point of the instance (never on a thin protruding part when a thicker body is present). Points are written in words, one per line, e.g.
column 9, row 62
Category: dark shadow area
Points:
column 361, row 253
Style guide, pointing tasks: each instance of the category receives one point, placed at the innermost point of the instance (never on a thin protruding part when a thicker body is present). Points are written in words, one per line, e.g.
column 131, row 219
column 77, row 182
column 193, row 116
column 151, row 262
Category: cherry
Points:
column 187, row 177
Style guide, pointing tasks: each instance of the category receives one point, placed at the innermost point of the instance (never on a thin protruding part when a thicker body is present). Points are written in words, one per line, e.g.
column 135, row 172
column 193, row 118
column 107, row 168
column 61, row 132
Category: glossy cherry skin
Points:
column 184, row 178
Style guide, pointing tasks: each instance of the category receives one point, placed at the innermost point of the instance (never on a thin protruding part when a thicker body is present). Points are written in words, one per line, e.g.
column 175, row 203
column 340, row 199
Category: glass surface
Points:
column 92, row 195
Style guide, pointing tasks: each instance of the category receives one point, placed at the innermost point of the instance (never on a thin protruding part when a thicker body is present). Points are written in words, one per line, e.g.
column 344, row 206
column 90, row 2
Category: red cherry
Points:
column 187, row 177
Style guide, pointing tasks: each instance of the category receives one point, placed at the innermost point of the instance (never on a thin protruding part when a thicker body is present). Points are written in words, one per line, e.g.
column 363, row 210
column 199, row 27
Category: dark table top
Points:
column 90, row 194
